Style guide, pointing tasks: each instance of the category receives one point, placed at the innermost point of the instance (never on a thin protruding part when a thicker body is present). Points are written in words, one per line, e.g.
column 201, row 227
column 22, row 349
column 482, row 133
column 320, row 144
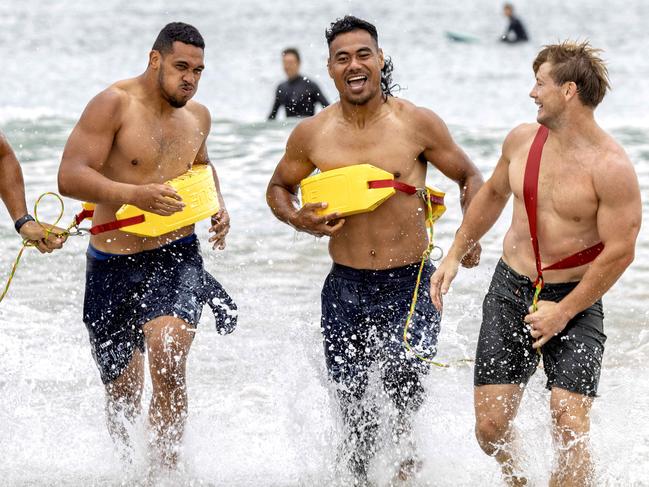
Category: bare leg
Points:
column 168, row 341
column 571, row 421
column 495, row 409
column 124, row 401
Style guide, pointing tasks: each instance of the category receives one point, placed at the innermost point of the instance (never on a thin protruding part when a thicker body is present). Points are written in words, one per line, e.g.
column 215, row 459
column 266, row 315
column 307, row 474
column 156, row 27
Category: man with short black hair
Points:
column 146, row 293
column 576, row 218
column 12, row 192
column 298, row 94
column 378, row 256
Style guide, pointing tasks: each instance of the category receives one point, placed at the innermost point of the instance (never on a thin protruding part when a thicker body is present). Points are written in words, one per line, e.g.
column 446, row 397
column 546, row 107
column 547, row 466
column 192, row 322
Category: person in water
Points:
column 12, row 193
column 298, row 94
column 146, row 294
column 588, row 202
column 376, row 255
column 515, row 30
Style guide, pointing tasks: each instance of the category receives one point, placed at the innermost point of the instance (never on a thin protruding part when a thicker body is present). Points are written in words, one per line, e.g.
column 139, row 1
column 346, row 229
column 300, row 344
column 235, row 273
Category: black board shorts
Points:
column 363, row 318
column 124, row 292
column 572, row 360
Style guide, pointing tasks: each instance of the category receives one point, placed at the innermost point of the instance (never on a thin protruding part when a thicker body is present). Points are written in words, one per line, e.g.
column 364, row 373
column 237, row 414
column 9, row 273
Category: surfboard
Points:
column 461, row 37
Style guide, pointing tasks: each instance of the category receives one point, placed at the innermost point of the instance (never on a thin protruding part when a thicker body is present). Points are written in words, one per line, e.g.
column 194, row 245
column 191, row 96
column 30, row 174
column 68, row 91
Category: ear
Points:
column 569, row 89
column 155, row 59
column 381, row 58
column 329, row 70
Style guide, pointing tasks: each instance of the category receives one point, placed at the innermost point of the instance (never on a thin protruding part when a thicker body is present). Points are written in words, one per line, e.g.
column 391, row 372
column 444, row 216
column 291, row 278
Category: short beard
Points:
column 173, row 101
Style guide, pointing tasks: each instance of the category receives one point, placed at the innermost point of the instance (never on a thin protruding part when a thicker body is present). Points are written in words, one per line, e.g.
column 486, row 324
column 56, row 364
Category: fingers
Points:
column 333, row 229
column 169, row 192
column 435, row 291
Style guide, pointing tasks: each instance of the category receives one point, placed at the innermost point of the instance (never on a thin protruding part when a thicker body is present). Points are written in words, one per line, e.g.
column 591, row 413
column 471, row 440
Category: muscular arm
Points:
column 442, row 151
column 88, row 148
column 618, row 222
column 486, row 207
column 281, row 194
column 12, row 186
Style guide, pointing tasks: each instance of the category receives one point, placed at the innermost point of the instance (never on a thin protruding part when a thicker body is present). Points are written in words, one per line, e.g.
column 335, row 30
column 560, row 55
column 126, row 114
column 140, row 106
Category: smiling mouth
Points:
column 356, row 82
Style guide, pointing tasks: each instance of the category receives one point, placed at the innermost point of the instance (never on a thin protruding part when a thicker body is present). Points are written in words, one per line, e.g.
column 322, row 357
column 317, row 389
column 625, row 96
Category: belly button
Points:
column 373, row 253
column 134, row 162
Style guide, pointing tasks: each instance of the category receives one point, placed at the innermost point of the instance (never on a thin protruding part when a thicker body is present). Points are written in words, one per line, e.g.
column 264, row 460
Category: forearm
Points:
column 469, row 188
column 603, row 272
column 217, row 185
column 485, row 208
column 12, row 190
column 282, row 203
column 87, row 184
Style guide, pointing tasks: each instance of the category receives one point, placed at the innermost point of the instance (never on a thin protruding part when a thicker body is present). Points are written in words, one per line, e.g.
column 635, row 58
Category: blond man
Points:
column 576, row 217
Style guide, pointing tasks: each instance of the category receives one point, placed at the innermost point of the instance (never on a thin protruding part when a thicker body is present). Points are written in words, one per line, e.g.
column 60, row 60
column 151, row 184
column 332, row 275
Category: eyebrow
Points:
column 360, row 49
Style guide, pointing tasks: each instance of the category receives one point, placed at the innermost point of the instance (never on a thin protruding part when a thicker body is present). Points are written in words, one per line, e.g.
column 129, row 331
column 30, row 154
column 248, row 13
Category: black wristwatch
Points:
column 22, row 220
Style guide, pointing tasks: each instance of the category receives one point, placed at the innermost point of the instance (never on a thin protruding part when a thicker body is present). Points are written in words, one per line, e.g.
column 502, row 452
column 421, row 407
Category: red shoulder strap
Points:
column 530, row 195
column 530, row 189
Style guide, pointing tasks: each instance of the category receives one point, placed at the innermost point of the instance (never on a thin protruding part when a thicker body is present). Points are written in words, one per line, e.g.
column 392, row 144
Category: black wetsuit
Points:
column 515, row 32
column 298, row 96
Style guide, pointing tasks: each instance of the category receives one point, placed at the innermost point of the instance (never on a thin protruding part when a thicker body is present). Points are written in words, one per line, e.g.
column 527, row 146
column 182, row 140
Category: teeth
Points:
column 356, row 78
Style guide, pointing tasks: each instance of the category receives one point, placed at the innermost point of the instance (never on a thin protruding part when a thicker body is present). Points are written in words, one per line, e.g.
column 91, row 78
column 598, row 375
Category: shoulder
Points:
column 519, row 136
column 4, row 145
column 306, row 130
column 201, row 113
column 110, row 101
column 412, row 114
column 613, row 166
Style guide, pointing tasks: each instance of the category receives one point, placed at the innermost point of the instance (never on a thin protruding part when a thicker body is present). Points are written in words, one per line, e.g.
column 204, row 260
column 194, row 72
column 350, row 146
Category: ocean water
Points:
column 261, row 410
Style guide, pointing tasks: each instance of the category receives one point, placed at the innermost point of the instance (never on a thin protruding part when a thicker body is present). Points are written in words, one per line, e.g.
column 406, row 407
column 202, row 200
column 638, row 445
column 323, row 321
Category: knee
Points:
column 570, row 427
column 490, row 433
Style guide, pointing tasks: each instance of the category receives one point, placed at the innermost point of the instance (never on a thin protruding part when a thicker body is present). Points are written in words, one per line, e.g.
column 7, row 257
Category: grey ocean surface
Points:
column 261, row 409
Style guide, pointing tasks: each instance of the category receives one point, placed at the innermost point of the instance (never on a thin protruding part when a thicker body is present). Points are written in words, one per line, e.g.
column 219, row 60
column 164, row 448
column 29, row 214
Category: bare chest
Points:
column 391, row 148
column 149, row 149
column 565, row 185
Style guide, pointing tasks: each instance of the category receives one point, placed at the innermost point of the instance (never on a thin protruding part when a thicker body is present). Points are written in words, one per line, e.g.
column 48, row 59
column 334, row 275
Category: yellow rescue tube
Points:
column 345, row 190
column 198, row 192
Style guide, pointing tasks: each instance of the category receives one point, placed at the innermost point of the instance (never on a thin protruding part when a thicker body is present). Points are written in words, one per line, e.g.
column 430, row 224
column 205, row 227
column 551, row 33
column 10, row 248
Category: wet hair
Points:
column 180, row 32
column 293, row 51
column 579, row 63
column 350, row 23
column 509, row 6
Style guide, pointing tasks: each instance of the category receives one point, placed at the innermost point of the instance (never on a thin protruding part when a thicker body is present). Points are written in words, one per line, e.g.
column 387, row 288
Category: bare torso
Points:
column 567, row 205
column 394, row 234
column 147, row 148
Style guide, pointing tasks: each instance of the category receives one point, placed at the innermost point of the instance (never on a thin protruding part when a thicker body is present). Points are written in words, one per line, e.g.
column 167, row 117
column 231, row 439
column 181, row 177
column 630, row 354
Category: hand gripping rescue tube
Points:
column 361, row 188
column 196, row 188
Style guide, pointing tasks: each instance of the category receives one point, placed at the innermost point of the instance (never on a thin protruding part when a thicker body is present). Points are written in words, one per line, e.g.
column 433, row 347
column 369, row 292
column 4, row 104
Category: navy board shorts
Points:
column 123, row 292
column 572, row 360
column 363, row 318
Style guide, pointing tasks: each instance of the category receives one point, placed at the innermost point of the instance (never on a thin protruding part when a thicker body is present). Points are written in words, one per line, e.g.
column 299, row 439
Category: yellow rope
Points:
column 415, row 294
column 48, row 232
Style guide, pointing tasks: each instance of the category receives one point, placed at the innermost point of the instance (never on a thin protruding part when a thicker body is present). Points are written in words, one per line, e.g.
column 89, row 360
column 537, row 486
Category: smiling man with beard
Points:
column 146, row 293
column 376, row 255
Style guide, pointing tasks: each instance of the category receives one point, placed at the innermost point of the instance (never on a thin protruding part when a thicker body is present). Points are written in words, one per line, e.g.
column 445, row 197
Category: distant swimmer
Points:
column 376, row 255
column 576, row 218
column 146, row 294
column 515, row 31
column 12, row 192
column 298, row 94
